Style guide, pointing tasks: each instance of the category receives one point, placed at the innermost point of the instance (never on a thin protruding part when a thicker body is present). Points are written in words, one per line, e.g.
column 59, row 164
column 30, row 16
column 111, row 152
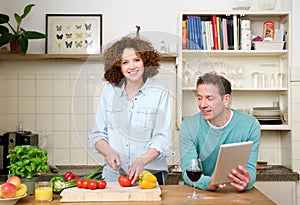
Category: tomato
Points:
column 101, row 184
column 79, row 183
column 85, row 184
column 124, row 181
column 92, row 185
column 87, row 179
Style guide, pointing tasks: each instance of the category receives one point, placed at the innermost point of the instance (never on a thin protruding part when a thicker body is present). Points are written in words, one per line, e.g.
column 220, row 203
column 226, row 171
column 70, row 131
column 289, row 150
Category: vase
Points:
column 30, row 183
column 14, row 47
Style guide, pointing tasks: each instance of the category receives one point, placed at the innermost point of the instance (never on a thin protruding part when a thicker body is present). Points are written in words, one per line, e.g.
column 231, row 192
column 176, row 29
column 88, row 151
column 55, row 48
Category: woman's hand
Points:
column 240, row 179
column 112, row 158
column 135, row 169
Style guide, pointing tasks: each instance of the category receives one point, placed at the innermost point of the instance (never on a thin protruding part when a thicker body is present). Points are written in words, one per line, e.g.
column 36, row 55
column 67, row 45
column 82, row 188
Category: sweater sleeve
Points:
column 254, row 136
column 188, row 149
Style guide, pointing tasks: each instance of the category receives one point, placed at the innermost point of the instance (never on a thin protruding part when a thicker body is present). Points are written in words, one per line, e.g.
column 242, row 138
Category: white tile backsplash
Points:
column 61, row 122
column 44, row 87
column 10, row 104
column 79, row 104
column 79, row 140
column 26, row 88
column 10, row 86
column 44, row 122
column 26, row 105
column 62, row 156
column 79, row 156
column 61, row 87
column 44, row 105
column 61, row 140
column 28, row 121
column 79, row 122
column 62, row 105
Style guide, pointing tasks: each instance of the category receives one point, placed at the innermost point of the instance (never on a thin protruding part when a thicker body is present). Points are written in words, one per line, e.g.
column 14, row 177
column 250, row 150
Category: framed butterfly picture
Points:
column 73, row 33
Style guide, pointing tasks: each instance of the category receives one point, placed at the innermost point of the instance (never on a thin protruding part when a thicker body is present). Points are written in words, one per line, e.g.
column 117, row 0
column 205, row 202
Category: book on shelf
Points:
column 184, row 35
column 198, row 33
column 204, row 35
column 235, row 32
column 225, row 37
column 229, row 20
column 215, row 32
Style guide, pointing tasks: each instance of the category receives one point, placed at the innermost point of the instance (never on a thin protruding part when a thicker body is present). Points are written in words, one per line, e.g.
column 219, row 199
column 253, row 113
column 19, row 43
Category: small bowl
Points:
column 11, row 201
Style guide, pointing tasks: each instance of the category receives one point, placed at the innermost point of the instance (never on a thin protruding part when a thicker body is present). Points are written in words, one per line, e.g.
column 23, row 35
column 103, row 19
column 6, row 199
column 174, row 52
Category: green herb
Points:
column 27, row 161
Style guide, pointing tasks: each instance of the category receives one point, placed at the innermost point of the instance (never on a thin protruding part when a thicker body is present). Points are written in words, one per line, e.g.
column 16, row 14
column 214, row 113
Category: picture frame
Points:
column 73, row 34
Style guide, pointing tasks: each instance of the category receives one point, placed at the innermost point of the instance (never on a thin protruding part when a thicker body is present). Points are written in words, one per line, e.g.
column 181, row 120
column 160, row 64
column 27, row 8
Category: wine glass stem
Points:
column 194, row 193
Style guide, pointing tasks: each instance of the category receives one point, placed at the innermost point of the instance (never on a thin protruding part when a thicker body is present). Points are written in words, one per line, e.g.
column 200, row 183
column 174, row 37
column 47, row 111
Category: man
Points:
column 202, row 134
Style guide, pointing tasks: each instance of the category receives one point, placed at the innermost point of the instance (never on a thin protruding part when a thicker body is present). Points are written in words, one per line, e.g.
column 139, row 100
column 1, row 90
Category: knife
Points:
column 121, row 170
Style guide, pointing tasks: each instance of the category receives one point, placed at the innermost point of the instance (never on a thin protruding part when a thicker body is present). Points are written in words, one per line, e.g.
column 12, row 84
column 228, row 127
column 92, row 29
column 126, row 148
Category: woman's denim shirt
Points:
column 132, row 127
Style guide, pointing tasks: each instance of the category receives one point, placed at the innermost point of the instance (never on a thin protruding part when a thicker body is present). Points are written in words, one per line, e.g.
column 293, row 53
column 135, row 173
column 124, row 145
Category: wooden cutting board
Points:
column 112, row 192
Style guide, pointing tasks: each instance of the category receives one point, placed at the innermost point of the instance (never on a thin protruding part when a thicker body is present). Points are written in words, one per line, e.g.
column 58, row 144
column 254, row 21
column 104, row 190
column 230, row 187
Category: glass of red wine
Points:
column 194, row 172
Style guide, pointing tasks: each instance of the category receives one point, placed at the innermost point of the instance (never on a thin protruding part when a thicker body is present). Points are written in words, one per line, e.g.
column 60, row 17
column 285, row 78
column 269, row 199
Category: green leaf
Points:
column 4, row 39
column 34, row 35
column 27, row 9
column 18, row 18
column 4, row 18
column 3, row 29
column 28, row 168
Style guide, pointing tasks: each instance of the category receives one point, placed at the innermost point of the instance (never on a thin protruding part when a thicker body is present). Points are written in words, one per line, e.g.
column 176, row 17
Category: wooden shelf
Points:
column 93, row 57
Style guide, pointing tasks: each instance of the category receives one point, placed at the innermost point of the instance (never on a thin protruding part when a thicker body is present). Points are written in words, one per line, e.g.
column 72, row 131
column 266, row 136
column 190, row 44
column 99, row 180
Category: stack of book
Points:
column 211, row 32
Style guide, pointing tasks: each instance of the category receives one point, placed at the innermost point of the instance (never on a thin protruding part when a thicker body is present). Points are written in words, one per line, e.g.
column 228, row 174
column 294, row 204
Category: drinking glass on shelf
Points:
column 280, row 78
column 256, row 79
column 194, row 172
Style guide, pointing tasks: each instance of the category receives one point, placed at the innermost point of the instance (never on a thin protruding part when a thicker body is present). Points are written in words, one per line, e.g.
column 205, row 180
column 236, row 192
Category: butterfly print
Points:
column 69, row 44
column 59, row 36
column 68, row 35
column 78, row 44
column 58, row 27
column 88, row 34
column 88, row 26
column 78, row 26
column 88, row 43
column 59, row 45
column 78, row 35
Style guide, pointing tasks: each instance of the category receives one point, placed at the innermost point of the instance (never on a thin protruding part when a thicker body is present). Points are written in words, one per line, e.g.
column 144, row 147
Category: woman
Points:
column 133, row 121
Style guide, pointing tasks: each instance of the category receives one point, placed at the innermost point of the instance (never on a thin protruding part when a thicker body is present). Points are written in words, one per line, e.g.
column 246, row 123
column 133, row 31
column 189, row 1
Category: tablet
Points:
column 229, row 157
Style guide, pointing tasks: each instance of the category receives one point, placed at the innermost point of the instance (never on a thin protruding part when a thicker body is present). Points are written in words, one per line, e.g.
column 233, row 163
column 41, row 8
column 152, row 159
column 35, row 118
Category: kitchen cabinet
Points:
column 282, row 193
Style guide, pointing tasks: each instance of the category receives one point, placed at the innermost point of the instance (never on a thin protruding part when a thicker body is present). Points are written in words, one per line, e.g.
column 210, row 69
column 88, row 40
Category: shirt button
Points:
column 126, row 145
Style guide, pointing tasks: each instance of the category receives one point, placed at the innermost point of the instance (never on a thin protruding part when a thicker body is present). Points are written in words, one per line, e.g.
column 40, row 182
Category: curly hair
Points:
column 144, row 49
column 222, row 83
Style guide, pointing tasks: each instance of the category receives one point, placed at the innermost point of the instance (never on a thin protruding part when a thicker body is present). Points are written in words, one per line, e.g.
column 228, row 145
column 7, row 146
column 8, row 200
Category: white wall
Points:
column 119, row 16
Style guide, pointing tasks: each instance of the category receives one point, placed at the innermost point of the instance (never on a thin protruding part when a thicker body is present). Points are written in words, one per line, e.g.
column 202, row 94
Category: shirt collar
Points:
column 121, row 90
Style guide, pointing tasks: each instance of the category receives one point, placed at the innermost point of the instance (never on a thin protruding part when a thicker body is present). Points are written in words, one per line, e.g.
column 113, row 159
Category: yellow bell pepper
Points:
column 147, row 180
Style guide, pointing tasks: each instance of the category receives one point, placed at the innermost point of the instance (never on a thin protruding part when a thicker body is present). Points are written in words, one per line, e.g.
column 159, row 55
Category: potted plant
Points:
column 17, row 35
column 27, row 162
